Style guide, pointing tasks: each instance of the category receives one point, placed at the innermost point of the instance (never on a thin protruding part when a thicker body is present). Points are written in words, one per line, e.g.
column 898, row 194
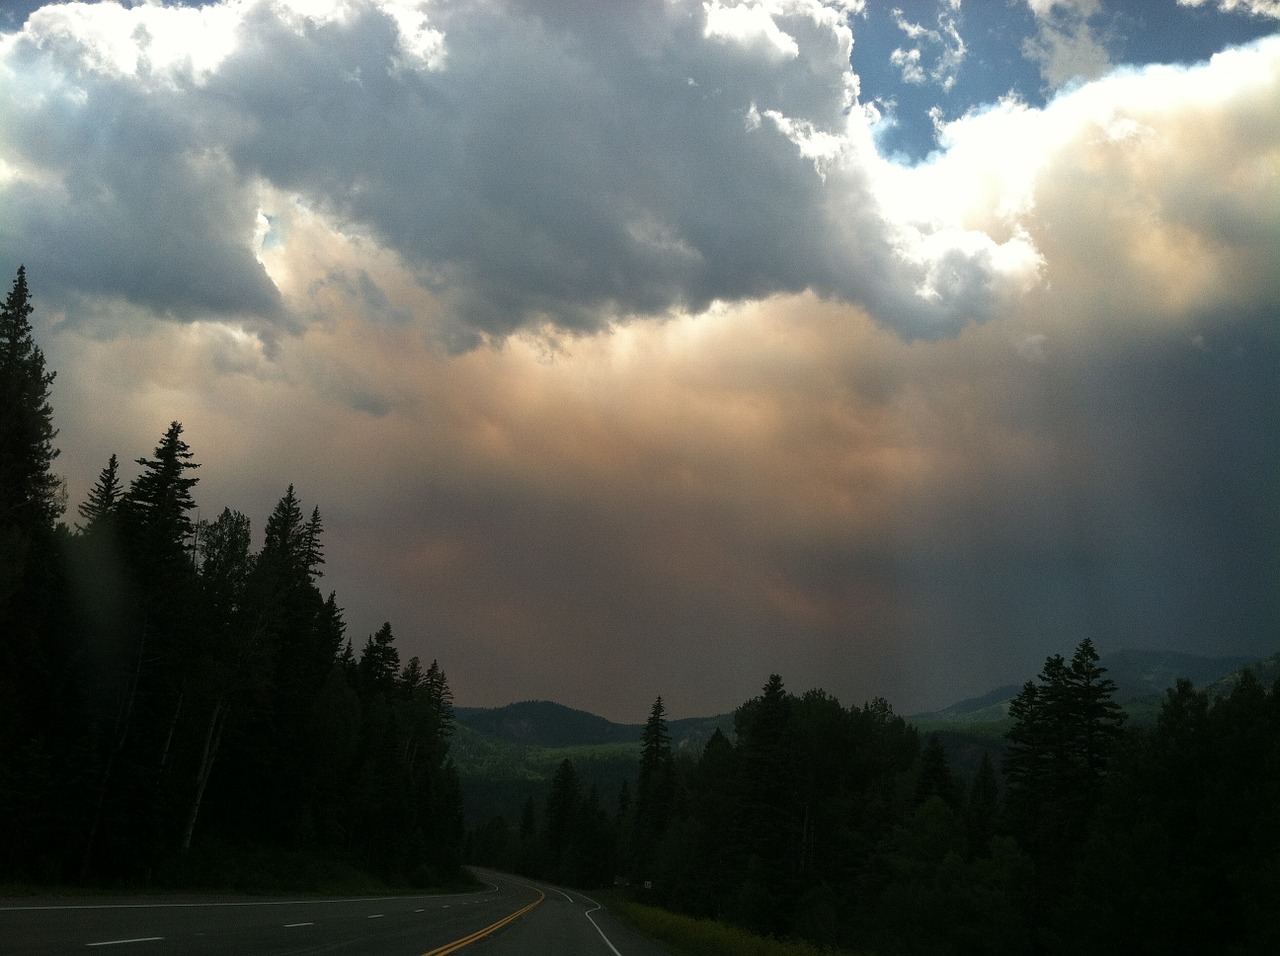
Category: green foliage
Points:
column 703, row 937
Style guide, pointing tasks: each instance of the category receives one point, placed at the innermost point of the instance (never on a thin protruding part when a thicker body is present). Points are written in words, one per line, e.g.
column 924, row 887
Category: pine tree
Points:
column 935, row 774
column 156, row 510
column 285, row 547
column 1098, row 717
column 1057, row 753
column 653, row 790
column 983, row 807
column 104, row 498
column 313, row 553
column 30, row 493
column 562, row 815
column 769, row 824
column 380, row 662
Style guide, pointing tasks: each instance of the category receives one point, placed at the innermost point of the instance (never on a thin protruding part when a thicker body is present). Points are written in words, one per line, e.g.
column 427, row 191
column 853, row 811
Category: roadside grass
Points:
column 687, row 936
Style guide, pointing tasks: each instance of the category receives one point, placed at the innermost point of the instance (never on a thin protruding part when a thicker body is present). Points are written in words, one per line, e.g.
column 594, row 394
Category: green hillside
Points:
column 505, row 755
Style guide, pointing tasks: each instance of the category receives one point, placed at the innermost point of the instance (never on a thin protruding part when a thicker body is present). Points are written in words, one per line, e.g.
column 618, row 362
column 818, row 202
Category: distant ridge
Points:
column 1266, row 670
column 1138, row 674
column 993, row 705
column 544, row 723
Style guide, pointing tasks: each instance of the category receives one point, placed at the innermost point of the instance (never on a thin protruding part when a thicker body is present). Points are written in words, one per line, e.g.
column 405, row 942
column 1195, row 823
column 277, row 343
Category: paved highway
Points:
column 511, row 916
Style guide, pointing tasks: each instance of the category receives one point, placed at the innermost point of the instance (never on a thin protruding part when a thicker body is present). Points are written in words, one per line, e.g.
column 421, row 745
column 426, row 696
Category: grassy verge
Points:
column 687, row 936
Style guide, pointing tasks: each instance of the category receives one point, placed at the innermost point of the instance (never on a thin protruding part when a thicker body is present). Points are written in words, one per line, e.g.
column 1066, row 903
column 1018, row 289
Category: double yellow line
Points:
column 480, row 934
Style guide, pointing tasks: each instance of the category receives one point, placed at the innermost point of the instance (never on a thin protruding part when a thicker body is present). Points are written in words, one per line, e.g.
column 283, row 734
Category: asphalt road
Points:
column 551, row 921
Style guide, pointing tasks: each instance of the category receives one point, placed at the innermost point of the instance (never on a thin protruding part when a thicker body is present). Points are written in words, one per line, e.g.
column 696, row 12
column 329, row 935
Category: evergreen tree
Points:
column 561, row 817
column 39, row 706
column 379, row 662
column 286, row 545
column 1097, row 717
column 1057, row 753
column 653, row 790
column 104, row 498
column 983, row 807
column 935, row 778
column 155, row 512
column 30, row 493
column 313, row 553
column 769, row 825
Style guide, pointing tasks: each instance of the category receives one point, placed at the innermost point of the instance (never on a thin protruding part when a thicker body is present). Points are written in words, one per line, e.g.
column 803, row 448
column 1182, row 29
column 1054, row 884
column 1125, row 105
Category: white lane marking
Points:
column 292, row 925
column 119, row 942
column 161, row 906
column 446, row 906
column 597, row 926
column 590, row 917
column 375, row 916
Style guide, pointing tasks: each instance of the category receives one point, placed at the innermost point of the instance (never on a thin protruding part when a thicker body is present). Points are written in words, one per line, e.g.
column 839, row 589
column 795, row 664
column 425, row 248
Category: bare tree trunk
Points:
column 173, row 725
column 119, row 734
column 217, row 720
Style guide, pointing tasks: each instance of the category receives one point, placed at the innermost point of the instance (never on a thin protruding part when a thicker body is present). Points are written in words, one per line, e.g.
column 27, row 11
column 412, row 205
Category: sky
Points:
column 652, row 348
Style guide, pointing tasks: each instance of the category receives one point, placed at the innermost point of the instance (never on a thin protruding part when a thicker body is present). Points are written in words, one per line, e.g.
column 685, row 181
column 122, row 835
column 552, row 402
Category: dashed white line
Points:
column 375, row 916
column 121, row 942
column 292, row 925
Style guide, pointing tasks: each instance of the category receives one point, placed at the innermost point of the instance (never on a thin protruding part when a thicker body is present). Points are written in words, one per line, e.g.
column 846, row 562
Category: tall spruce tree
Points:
column 156, row 511
column 30, row 493
column 1057, row 754
column 37, row 716
column 104, row 498
column 654, row 790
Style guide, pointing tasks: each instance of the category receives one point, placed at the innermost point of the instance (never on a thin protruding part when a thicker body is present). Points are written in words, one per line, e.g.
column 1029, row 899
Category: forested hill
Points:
column 1137, row 674
column 544, row 723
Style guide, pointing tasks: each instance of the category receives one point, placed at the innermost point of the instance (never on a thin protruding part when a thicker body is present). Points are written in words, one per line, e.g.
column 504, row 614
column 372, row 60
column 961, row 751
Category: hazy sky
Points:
column 651, row 347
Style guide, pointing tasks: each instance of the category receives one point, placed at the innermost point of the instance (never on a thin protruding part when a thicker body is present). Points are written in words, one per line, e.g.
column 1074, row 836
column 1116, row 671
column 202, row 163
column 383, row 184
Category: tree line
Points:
column 840, row 826
column 164, row 686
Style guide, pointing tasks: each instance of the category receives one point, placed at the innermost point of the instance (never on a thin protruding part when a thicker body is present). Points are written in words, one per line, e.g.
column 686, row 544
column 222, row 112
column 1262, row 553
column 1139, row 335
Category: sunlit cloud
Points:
column 608, row 335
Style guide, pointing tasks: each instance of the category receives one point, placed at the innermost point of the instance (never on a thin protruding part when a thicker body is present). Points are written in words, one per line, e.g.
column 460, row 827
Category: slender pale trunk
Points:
column 212, row 738
column 119, row 734
column 173, row 725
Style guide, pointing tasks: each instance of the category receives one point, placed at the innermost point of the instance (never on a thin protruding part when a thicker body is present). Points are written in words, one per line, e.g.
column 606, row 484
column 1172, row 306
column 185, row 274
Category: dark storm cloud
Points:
column 128, row 199
column 569, row 164
column 663, row 501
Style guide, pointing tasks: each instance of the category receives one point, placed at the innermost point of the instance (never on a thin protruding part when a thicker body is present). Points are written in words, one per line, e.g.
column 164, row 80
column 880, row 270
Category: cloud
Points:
column 947, row 48
column 1258, row 8
column 752, row 399
column 531, row 164
column 1065, row 44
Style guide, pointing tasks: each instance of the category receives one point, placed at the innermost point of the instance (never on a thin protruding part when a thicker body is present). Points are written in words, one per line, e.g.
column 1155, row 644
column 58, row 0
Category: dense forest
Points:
column 170, row 697
column 838, row 825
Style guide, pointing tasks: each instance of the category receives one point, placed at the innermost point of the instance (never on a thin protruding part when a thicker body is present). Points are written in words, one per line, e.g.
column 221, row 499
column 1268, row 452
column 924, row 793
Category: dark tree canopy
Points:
column 170, row 699
column 104, row 498
column 30, row 493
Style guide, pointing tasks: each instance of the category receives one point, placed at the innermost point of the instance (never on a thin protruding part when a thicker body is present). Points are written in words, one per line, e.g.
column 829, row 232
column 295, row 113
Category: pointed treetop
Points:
column 30, row 493
column 104, row 497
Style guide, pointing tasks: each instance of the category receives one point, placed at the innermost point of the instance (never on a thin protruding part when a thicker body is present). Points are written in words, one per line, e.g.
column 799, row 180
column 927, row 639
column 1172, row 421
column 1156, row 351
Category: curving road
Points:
column 511, row 916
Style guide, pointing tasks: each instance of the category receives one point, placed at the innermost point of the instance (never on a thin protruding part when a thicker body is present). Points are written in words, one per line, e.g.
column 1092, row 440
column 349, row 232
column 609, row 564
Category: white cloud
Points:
column 1065, row 45
column 947, row 48
column 528, row 164
column 1260, row 8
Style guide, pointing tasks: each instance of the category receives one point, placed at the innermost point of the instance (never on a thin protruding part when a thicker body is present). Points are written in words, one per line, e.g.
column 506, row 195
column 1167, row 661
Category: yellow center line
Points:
column 480, row 934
